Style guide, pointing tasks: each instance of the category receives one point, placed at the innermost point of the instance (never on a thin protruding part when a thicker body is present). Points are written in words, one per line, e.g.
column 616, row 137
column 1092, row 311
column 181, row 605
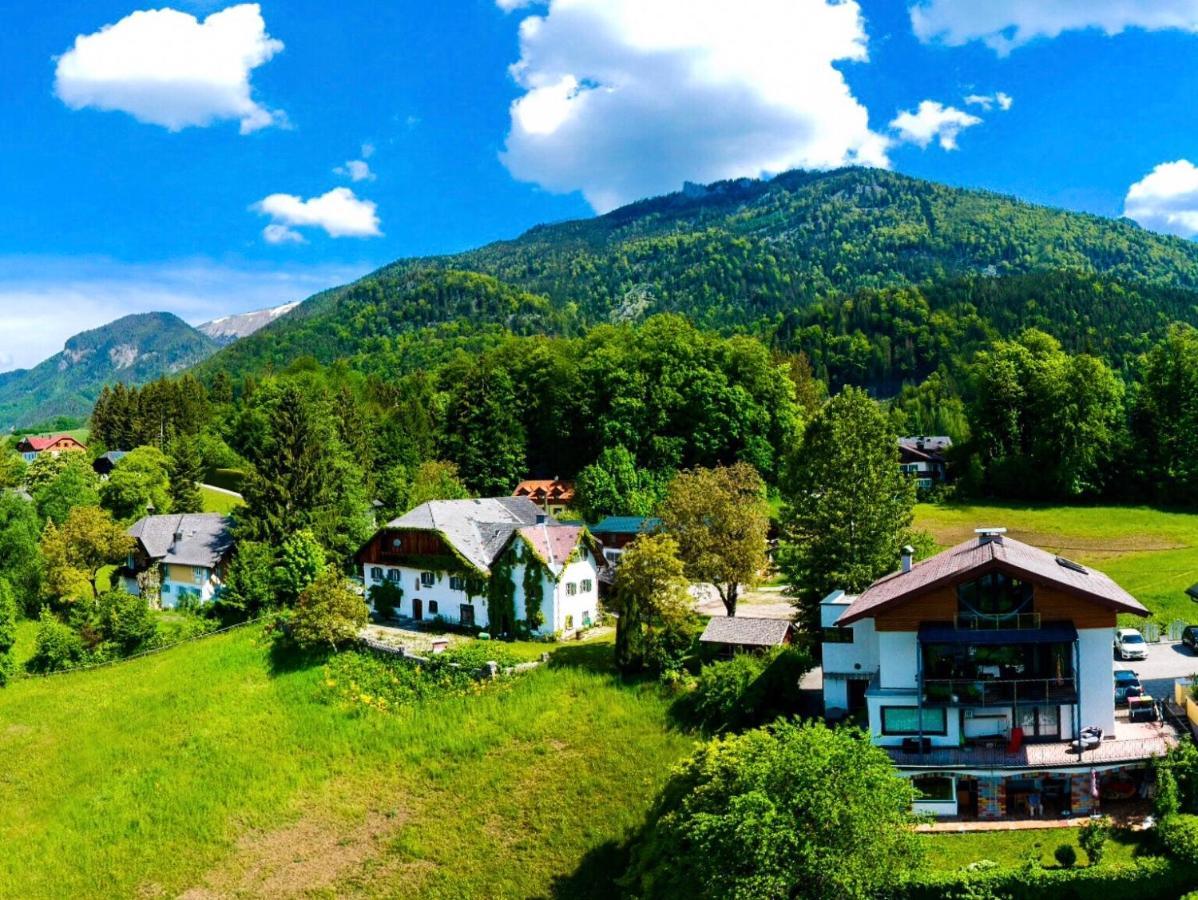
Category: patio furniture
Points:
column 1089, row 738
column 1142, row 709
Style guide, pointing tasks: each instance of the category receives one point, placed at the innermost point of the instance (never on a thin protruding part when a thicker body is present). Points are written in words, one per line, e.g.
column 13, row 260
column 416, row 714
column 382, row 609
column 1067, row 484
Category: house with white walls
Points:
column 986, row 672
column 500, row 564
column 178, row 559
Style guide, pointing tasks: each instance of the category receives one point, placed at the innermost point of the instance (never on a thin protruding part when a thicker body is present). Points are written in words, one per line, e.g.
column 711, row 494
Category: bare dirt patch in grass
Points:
column 303, row 858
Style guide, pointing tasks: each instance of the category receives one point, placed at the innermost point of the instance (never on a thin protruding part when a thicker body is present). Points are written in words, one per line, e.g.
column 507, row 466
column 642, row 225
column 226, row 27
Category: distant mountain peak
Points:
column 227, row 329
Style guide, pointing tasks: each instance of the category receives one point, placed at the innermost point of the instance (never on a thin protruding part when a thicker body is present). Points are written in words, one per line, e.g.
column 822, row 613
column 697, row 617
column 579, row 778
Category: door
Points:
column 857, row 687
column 1040, row 722
column 417, row 608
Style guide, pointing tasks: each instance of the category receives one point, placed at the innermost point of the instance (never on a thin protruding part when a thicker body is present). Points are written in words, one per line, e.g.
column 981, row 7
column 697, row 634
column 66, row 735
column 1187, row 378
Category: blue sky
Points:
column 209, row 157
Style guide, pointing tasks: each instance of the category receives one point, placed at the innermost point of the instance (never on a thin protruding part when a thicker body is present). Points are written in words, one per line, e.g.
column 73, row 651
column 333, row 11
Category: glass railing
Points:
column 982, row 622
column 997, row 692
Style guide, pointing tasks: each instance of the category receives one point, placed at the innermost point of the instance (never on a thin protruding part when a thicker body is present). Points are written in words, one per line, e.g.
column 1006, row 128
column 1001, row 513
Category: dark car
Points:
column 1126, row 681
column 1189, row 637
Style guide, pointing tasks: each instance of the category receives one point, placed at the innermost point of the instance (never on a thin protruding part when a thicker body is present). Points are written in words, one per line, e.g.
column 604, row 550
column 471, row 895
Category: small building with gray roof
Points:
column 179, row 558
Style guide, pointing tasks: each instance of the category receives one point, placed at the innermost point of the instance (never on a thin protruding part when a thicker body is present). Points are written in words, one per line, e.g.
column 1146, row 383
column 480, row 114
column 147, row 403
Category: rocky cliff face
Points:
column 227, row 329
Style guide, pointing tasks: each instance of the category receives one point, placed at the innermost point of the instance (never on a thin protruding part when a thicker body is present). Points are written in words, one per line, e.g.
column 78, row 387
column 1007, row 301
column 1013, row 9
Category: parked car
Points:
column 1126, row 682
column 1130, row 644
column 1189, row 637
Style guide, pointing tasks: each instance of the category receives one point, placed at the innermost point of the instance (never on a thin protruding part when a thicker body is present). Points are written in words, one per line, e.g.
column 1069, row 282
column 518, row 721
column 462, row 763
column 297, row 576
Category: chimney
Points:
column 541, row 518
column 908, row 555
column 989, row 535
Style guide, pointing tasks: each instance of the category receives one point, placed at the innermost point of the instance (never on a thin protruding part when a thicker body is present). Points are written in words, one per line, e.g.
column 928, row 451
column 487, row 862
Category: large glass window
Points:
column 995, row 595
column 904, row 720
column 935, row 788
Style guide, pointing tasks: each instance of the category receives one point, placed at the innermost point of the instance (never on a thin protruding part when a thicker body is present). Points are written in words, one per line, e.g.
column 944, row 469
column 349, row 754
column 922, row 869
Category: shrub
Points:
column 386, row 597
column 127, row 623
column 1178, row 834
column 788, row 810
column 1065, row 855
column 58, row 646
column 1147, row 877
column 329, row 614
column 1177, row 781
column 1093, row 837
column 8, row 630
column 748, row 690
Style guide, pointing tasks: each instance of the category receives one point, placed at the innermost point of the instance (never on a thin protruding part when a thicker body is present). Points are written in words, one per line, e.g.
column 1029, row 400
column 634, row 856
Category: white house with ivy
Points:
column 499, row 564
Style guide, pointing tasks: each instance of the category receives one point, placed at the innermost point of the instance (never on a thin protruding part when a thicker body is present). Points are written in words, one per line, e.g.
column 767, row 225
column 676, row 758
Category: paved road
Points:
column 1165, row 662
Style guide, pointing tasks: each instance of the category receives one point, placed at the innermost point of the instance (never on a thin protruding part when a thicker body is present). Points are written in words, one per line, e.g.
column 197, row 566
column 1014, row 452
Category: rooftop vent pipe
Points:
column 908, row 555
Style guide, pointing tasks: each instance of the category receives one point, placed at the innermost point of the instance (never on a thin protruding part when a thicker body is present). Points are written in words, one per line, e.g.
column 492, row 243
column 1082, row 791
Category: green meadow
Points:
column 1152, row 553
column 215, row 769
column 218, row 501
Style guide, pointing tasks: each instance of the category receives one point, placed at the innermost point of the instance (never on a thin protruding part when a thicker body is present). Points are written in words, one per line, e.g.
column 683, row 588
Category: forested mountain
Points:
column 131, row 350
column 777, row 258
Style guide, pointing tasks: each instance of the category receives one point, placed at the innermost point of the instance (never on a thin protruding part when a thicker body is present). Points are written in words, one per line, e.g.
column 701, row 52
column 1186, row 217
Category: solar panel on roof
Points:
column 1070, row 564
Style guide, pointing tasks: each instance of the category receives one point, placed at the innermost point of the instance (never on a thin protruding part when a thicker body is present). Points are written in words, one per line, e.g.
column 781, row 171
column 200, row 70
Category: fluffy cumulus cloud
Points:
column 358, row 169
column 1006, row 24
column 339, row 212
column 1166, row 199
column 933, row 120
column 624, row 99
column 168, row 68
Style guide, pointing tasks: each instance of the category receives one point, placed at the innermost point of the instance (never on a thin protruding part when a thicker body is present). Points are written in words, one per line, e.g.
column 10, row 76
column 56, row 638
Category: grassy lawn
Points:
column 1152, row 553
column 949, row 852
column 214, row 767
column 218, row 502
column 26, row 638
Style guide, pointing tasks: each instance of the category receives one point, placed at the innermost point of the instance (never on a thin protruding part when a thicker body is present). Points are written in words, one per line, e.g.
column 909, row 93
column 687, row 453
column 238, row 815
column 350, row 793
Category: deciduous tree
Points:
column 329, row 614
column 76, row 551
column 72, row 484
column 651, row 597
column 720, row 519
column 139, row 481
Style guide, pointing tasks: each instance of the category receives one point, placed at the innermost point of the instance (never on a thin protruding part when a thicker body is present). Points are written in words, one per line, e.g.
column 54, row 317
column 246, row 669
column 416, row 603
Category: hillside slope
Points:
column 216, row 769
column 227, row 329
column 133, row 350
column 734, row 255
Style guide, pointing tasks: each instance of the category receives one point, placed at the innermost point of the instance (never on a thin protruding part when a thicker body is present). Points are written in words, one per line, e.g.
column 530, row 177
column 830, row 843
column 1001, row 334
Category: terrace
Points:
column 1132, row 742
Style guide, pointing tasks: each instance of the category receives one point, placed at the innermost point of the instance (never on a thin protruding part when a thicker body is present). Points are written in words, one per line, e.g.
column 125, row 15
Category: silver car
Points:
column 1130, row 644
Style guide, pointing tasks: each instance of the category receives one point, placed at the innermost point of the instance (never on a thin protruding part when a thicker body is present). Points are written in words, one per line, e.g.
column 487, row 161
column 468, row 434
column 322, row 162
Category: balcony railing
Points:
column 980, row 622
column 998, row 691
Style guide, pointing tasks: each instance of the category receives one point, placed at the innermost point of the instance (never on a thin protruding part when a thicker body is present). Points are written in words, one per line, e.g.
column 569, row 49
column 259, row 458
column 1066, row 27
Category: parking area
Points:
column 1165, row 662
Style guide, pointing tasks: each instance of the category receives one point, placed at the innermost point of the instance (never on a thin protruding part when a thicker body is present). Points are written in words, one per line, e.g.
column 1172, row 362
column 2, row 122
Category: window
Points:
column 397, row 543
column 427, row 579
column 457, row 583
column 432, row 607
column 466, row 614
column 836, row 635
column 571, row 589
column 166, row 587
column 376, row 573
column 904, row 720
column 587, row 585
column 393, row 575
column 569, row 624
column 995, row 595
column 935, row 788
column 586, row 618
column 199, row 574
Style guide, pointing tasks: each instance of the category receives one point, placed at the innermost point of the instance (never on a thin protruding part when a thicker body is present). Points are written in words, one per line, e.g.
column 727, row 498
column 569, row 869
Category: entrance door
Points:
column 417, row 608
column 1040, row 722
column 857, row 687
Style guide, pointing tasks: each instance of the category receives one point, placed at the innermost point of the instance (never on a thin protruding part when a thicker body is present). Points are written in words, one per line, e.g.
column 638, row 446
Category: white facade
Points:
column 853, row 658
column 568, row 603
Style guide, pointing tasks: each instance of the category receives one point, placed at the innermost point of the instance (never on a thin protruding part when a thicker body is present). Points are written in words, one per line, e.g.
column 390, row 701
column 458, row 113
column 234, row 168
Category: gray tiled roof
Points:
column 205, row 538
column 745, row 631
column 477, row 529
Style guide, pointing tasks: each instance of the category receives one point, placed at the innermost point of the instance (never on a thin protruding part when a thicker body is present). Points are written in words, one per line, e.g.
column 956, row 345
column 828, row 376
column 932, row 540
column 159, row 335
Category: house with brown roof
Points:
column 496, row 563
column 923, row 458
column 986, row 672
column 32, row 446
column 552, row 495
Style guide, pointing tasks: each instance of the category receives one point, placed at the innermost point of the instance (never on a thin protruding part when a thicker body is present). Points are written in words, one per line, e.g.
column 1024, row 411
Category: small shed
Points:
column 747, row 633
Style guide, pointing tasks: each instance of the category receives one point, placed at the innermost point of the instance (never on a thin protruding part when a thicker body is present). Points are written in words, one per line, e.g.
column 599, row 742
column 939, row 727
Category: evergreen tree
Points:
column 848, row 505
column 483, row 433
column 186, row 473
column 8, row 630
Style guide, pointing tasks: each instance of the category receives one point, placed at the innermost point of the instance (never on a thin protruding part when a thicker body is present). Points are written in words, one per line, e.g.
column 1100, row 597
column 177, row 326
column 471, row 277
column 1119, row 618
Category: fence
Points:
column 144, row 653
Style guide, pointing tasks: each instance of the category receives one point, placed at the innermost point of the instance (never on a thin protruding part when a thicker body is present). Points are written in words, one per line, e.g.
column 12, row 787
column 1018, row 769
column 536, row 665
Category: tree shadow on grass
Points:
column 593, row 657
column 284, row 657
column 595, row 877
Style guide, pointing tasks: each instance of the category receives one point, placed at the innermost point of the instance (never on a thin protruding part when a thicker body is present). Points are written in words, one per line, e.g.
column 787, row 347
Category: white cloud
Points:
column 1004, row 25
column 45, row 300
column 1166, row 199
column 624, row 99
column 356, row 170
column 281, row 234
column 165, row 67
column 933, row 120
column 367, row 150
column 339, row 212
column 988, row 101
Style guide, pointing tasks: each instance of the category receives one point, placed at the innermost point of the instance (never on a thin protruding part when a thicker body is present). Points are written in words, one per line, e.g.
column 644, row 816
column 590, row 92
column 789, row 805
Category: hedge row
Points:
column 1151, row 877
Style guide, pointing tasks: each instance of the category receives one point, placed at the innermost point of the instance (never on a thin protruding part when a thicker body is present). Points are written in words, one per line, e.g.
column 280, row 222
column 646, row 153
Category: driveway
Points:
column 1165, row 662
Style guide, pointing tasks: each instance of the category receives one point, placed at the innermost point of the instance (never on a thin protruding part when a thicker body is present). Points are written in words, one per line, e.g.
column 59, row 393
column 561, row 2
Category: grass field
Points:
column 212, row 768
column 949, row 852
column 218, row 501
column 1152, row 553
